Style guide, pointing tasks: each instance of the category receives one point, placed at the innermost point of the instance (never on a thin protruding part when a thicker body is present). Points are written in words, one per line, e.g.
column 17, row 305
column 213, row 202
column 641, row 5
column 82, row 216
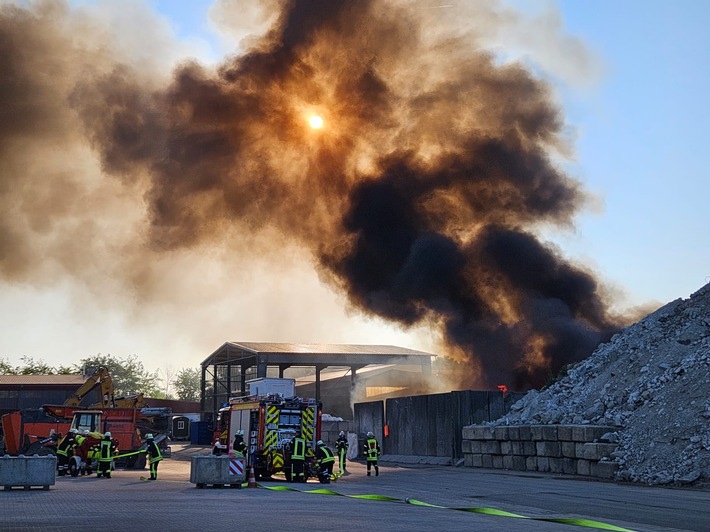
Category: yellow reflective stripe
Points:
column 308, row 423
column 299, row 449
column 272, row 415
column 277, row 460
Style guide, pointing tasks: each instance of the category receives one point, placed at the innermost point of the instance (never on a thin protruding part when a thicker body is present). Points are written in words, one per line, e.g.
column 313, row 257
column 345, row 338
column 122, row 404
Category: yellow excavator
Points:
column 102, row 377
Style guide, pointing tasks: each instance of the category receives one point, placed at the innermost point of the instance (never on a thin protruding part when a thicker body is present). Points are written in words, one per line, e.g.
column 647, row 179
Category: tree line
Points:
column 128, row 375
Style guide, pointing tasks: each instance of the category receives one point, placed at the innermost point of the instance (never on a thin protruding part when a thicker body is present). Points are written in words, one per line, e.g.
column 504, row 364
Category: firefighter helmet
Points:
column 148, row 436
column 73, row 431
column 320, row 442
column 342, row 433
column 370, row 435
column 239, row 433
column 85, row 433
column 107, row 435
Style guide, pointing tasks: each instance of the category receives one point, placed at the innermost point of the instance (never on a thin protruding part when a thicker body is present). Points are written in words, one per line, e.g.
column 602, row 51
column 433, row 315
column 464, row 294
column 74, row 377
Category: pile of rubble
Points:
column 651, row 384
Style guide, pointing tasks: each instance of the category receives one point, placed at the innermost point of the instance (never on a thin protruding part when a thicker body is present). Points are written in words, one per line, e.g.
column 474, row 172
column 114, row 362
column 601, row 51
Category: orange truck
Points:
column 127, row 418
column 26, row 433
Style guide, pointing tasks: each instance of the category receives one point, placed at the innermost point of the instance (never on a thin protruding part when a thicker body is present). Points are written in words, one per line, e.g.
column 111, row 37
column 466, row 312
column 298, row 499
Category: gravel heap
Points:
column 651, row 384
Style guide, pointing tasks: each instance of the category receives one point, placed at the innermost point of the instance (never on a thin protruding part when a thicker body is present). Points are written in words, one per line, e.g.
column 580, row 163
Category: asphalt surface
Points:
column 125, row 502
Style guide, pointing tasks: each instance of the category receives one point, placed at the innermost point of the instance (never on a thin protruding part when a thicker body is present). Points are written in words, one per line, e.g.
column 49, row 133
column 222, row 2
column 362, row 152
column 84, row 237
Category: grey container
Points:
column 28, row 471
column 218, row 471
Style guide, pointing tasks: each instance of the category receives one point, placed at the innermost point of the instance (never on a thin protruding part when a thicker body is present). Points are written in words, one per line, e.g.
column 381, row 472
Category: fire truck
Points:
column 269, row 421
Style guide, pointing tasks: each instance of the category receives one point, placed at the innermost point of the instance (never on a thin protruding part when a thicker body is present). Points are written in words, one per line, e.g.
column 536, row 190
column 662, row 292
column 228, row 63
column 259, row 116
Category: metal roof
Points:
column 327, row 349
column 333, row 354
column 42, row 380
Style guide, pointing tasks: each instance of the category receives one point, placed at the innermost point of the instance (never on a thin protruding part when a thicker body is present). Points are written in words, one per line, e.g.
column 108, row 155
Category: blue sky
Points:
column 642, row 144
column 639, row 126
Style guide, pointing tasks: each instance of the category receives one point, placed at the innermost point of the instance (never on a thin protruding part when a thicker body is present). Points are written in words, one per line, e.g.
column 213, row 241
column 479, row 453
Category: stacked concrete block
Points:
column 218, row 471
column 330, row 429
column 27, row 471
column 566, row 449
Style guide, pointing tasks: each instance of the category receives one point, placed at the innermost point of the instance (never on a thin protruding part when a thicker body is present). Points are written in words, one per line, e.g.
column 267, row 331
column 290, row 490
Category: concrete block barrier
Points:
column 218, row 471
column 27, row 471
column 566, row 449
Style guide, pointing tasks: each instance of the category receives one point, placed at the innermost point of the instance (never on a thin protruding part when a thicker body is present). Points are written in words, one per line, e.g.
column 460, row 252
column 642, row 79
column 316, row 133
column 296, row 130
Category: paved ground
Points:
column 125, row 502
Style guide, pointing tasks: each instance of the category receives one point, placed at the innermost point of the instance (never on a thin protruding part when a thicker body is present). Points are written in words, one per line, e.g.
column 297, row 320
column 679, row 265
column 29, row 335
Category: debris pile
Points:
column 651, row 384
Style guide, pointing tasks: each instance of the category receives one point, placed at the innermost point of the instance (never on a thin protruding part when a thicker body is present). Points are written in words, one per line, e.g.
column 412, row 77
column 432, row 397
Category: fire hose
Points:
column 487, row 511
column 129, row 454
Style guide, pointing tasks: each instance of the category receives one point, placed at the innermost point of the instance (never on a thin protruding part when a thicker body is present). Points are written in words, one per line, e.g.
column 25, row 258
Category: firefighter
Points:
column 106, row 449
column 240, row 448
column 372, row 452
column 155, row 456
column 65, row 451
column 324, row 462
column 222, row 441
column 341, row 447
column 298, row 457
column 79, row 439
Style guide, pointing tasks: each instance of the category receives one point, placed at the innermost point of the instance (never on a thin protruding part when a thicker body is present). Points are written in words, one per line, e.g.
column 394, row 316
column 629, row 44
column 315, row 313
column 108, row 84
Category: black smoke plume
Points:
column 420, row 198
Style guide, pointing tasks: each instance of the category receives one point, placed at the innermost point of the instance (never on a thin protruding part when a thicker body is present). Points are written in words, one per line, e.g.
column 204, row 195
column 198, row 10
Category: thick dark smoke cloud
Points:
column 420, row 198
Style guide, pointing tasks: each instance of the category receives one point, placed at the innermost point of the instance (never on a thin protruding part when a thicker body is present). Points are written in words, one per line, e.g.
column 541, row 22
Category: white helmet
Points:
column 239, row 433
column 148, row 436
column 370, row 435
column 320, row 442
column 73, row 431
column 85, row 433
column 342, row 433
column 107, row 435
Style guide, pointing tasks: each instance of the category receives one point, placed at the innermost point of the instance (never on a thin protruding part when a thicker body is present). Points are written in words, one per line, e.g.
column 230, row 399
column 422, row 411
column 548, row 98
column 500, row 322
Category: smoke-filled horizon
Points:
column 420, row 198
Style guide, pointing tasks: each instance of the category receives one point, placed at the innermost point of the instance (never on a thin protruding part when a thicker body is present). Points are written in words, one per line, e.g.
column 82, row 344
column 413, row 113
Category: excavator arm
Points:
column 101, row 377
column 129, row 401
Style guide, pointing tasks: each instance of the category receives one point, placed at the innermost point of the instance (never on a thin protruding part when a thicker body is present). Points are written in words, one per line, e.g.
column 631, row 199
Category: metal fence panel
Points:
column 430, row 425
column 369, row 416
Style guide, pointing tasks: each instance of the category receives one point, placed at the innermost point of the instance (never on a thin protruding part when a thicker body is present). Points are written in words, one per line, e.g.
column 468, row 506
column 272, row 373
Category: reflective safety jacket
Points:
column 154, row 452
column 78, row 440
column 105, row 451
column 65, row 444
column 299, row 449
column 341, row 444
column 324, row 455
column 371, row 449
column 239, row 447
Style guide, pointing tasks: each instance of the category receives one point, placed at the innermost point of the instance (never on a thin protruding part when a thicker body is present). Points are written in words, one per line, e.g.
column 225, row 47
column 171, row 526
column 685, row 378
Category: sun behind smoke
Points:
column 315, row 121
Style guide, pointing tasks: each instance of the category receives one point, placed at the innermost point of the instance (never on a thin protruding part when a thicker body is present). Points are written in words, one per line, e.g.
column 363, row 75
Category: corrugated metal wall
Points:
column 430, row 425
column 369, row 417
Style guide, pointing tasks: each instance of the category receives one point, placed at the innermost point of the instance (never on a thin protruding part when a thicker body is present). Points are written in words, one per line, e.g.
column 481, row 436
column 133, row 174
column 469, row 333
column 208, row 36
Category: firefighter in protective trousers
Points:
column 239, row 447
column 154, row 456
column 341, row 447
column 325, row 460
column 106, row 450
column 372, row 452
column 64, row 451
column 298, row 457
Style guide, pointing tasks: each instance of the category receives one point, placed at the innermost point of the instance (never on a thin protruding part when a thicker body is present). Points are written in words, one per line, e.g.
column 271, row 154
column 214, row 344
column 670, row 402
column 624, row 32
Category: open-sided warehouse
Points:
column 225, row 372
